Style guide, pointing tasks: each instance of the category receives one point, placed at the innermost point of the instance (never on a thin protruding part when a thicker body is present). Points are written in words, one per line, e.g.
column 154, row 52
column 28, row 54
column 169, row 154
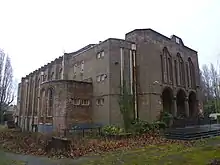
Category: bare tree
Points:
column 206, row 81
column 6, row 81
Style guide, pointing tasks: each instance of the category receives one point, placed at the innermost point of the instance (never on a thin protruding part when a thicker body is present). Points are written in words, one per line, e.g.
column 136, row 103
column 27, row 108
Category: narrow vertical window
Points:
column 82, row 67
column 60, row 73
column 187, row 74
column 176, row 72
column 181, row 70
column 50, row 102
column 170, row 69
column 167, row 67
column 162, row 67
column 192, row 74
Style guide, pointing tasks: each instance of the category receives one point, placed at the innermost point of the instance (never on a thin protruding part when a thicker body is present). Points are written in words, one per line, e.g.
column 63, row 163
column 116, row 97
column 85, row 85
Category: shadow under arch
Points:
column 167, row 100
column 192, row 104
column 180, row 101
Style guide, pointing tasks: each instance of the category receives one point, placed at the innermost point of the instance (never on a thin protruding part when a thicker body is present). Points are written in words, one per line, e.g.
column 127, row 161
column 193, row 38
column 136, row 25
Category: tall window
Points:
column 52, row 76
column 176, row 72
column 181, row 70
column 36, row 96
column 170, row 70
column 162, row 67
column 50, row 102
column 166, row 65
column 192, row 74
column 60, row 73
column 82, row 67
column 187, row 74
column 42, row 103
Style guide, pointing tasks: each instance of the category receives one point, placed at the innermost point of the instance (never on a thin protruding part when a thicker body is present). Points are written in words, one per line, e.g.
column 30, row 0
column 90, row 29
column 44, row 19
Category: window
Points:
column 76, row 101
column 74, row 69
column 192, row 74
column 176, row 72
column 181, row 70
column 60, row 73
column 38, row 83
column 50, row 102
column 82, row 67
column 101, row 77
column 170, row 70
column 45, row 78
column 166, row 67
column 100, row 101
column 177, row 40
column 52, row 76
column 42, row 102
column 85, row 102
column 100, row 55
column 98, row 78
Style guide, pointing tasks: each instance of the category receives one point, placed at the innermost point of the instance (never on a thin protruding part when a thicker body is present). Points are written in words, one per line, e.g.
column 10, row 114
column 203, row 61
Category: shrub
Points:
column 218, row 119
column 112, row 130
column 141, row 127
column 160, row 125
column 166, row 117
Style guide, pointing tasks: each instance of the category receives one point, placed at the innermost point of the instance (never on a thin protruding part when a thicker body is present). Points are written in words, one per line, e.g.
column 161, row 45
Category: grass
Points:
column 202, row 153
column 4, row 160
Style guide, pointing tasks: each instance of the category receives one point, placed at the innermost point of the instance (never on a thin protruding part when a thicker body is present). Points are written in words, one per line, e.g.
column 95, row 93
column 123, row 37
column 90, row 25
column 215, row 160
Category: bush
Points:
column 160, row 125
column 112, row 130
column 166, row 117
column 218, row 119
column 140, row 127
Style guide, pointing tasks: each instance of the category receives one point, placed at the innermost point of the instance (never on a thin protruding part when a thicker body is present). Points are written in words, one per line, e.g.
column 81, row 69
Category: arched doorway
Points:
column 167, row 99
column 192, row 104
column 180, row 101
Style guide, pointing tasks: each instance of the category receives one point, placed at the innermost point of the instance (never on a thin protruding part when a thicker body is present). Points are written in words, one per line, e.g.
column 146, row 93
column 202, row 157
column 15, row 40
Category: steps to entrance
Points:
column 193, row 132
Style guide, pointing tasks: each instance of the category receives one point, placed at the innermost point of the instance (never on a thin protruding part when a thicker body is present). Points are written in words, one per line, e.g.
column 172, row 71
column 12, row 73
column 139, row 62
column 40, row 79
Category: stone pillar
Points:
column 174, row 107
column 186, row 107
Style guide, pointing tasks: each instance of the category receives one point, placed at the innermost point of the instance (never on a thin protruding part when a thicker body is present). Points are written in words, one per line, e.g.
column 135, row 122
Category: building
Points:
column 160, row 72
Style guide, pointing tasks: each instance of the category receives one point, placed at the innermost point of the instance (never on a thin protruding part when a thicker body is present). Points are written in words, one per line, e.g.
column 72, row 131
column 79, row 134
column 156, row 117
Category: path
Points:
column 38, row 160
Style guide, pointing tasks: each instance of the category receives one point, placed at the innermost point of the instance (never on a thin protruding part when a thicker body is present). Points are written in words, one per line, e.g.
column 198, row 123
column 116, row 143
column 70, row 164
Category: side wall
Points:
column 150, row 46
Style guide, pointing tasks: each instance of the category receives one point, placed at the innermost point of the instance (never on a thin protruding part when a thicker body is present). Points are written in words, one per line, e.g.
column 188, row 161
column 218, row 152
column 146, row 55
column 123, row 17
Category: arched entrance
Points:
column 192, row 104
column 167, row 99
column 180, row 101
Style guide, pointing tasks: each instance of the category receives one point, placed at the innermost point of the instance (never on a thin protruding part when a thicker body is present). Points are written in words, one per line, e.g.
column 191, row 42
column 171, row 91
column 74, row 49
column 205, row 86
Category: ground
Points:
column 202, row 153
column 153, row 152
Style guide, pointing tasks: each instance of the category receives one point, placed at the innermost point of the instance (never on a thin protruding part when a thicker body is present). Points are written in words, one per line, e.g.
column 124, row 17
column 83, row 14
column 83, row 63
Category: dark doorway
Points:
column 192, row 104
column 180, row 101
column 167, row 99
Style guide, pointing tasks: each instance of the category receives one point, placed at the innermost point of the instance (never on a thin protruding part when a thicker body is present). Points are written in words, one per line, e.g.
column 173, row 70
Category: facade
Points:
column 84, row 86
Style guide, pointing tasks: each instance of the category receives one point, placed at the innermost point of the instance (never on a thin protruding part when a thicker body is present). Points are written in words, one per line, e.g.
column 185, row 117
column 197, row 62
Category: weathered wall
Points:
column 149, row 49
column 65, row 111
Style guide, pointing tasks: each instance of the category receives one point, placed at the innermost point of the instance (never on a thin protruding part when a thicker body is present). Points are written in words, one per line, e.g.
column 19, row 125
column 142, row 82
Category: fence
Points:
column 45, row 128
column 83, row 129
column 192, row 122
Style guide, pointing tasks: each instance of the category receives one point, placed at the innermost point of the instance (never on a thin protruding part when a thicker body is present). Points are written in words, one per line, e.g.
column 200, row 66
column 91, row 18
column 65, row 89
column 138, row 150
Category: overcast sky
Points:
column 34, row 32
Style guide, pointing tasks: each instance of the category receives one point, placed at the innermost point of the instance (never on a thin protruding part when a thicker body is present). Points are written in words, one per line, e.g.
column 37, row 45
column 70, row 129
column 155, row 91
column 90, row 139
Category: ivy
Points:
column 126, row 106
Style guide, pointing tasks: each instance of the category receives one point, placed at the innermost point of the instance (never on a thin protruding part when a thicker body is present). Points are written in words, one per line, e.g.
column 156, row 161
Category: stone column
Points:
column 186, row 107
column 174, row 107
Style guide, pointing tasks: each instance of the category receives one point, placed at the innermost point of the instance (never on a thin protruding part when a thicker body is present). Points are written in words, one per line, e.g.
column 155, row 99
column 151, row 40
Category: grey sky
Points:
column 34, row 32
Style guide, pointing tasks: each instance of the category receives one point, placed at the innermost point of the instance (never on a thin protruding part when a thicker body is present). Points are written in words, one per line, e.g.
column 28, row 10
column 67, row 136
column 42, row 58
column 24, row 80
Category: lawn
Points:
column 147, row 149
column 4, row 160
column 201, row 154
